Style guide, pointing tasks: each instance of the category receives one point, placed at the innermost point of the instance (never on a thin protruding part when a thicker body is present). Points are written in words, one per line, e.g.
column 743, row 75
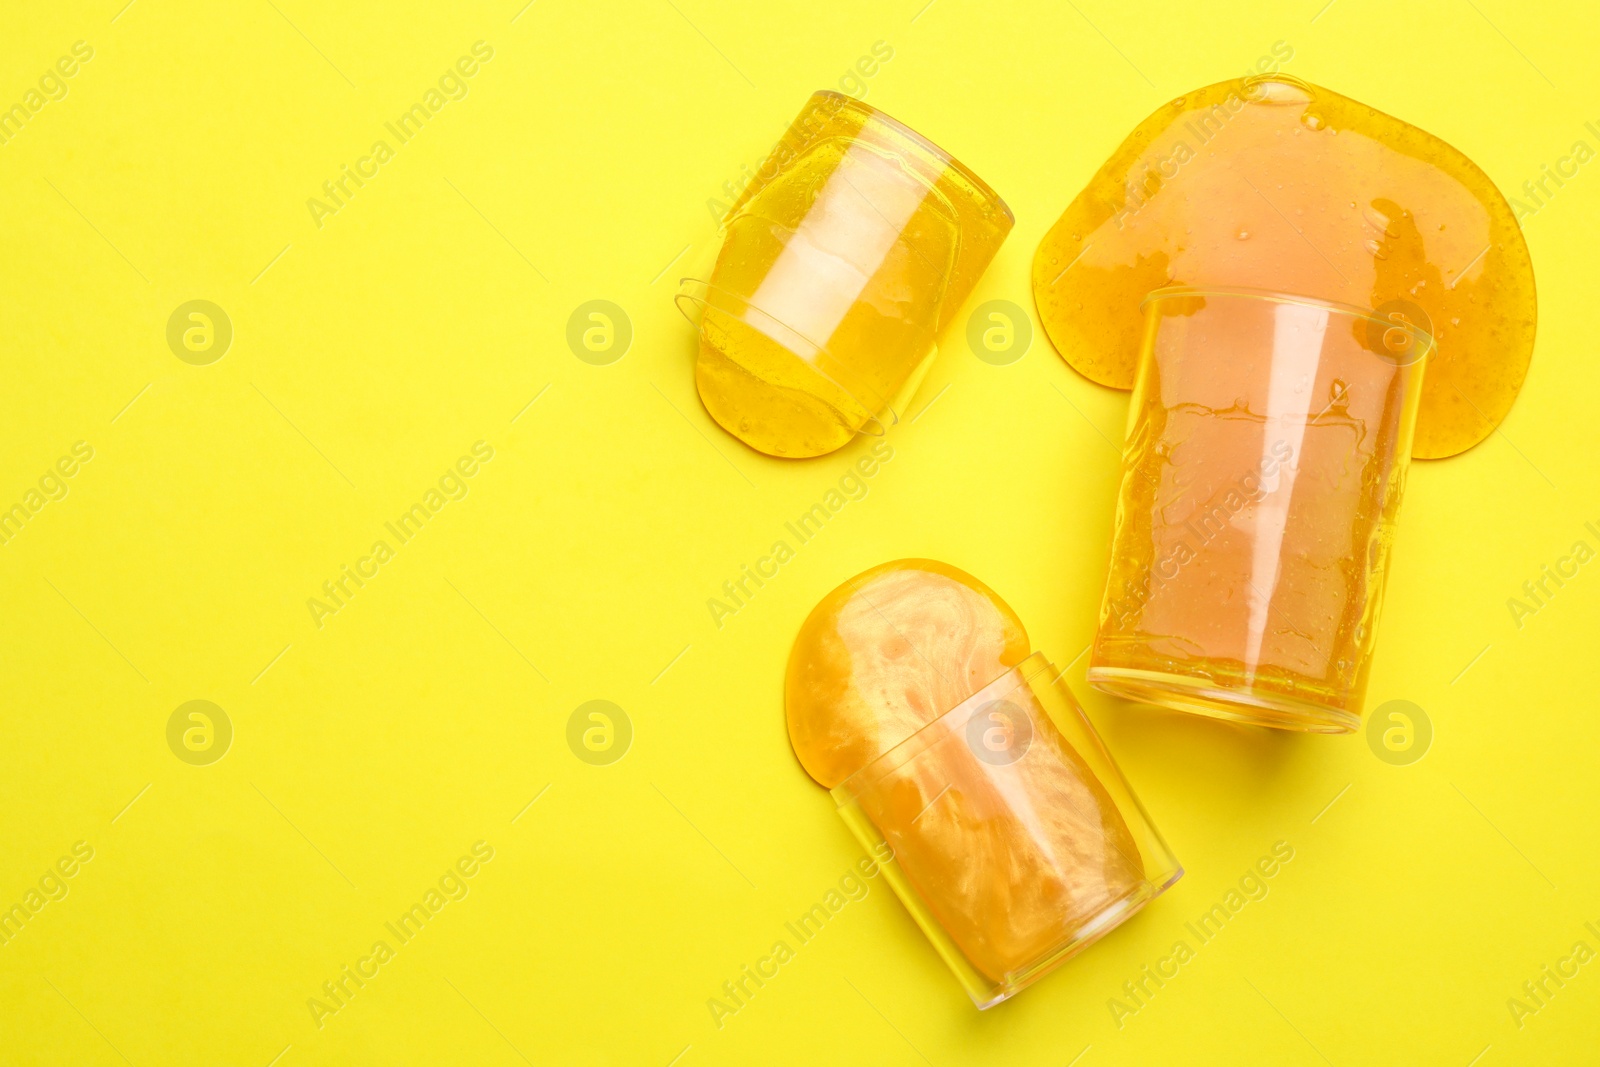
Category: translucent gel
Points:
column 1013, row 857
column 840, row 267
column 1276, row 184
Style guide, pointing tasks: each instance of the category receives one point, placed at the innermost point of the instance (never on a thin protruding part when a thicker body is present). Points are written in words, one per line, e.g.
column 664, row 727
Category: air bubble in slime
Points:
column 1304, row 292
column 841, row 266
column 1015, row 840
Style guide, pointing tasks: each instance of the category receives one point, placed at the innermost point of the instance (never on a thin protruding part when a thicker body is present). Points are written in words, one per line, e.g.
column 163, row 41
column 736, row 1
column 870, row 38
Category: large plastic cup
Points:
column 1268, row 442
column 840, row 267
column 1015, row 840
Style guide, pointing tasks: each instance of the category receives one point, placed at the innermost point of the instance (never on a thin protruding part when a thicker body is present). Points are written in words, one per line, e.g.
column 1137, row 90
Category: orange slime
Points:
column 1014, row 860
column 1271, row 183
column 888, row 652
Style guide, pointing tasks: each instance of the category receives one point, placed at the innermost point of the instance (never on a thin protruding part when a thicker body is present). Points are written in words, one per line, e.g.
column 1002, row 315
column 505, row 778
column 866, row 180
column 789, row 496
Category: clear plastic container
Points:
column 1269, row 437
column 1016, row 842
column 841, row 266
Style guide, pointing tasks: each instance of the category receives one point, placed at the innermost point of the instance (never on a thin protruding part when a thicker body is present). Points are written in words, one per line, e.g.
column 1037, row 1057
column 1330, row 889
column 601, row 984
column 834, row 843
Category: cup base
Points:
column 1035, row 851
column 1241, row 704
column 1097, row 926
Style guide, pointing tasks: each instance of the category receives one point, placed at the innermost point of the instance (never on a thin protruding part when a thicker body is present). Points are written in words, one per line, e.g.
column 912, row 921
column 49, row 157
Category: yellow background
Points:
column 369, row 754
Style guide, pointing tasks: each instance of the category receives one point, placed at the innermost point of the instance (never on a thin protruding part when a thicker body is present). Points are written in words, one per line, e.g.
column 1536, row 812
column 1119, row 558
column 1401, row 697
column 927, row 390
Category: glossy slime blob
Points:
column 1271, row 183
column 1015, row 840
column 885, row 654
column 841, row 265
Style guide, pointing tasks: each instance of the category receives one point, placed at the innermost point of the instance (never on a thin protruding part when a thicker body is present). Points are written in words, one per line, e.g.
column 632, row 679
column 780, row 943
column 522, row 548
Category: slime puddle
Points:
column 1271, row 183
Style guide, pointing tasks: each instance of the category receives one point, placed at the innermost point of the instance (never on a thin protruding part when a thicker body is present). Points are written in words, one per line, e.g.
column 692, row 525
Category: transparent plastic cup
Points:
column 841, row 266
column 1268, row 441
column 1016, row 842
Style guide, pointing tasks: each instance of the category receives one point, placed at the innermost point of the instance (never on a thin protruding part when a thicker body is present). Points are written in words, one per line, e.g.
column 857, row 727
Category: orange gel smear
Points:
column 1272, row 183
column 1013, row 861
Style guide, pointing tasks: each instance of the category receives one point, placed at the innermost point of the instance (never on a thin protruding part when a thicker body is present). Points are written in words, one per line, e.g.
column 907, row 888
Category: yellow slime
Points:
column 840, row 267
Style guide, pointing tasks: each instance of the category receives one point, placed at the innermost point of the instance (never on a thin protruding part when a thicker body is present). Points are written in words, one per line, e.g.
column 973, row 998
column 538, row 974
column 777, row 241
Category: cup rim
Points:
column 926, row 145
column 1013, row 678
column 1429, row 343
column 1424, row 344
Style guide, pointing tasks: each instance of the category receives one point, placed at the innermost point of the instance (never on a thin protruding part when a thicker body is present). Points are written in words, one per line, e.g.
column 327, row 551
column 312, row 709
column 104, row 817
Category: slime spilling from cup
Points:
column 841, row 265
column 911, row 693
column 1271, row 183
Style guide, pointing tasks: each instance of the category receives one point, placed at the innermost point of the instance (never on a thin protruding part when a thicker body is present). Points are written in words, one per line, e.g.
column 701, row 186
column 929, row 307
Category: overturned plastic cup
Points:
column 1269, row 437
column 1015, row 841
column 841, row 266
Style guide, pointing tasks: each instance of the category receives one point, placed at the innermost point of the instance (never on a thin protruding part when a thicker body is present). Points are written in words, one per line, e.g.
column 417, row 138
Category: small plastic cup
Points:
column 1268, row 441
column 841, row 265
column 1015, row 840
